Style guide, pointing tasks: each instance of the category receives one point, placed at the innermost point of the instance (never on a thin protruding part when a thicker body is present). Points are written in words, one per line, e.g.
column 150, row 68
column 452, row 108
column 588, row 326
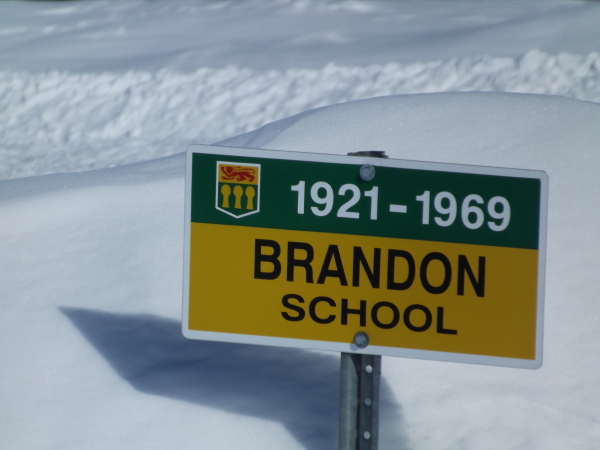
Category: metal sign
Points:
column 432, row 261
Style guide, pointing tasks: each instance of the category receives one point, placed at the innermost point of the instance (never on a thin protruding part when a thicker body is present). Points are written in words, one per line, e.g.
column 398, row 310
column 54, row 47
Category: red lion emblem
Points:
column 238, row 173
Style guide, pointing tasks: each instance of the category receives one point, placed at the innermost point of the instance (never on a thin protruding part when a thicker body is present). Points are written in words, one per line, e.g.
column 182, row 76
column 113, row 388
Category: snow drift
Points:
column 92, row 267
column 62, row 121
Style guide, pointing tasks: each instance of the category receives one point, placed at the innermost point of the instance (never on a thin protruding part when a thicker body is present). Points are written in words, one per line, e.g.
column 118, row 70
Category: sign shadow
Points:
column 297, row 388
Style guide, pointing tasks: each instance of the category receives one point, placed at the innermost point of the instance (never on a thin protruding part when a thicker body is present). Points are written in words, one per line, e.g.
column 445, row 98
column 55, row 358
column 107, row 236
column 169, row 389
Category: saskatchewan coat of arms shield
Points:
column 238, row 188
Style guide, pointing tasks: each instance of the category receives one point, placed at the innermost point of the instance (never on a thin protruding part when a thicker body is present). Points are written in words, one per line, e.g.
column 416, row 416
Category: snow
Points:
column 92, row 354
column 93, row 84
column 554, row 134
column 105, row 35
column 64, row 121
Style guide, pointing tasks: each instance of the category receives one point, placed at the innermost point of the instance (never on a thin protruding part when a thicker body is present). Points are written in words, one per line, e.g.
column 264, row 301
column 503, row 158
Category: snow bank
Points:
column 185, row 35
column 454, row 406
column 61, row 121
column 91, row 296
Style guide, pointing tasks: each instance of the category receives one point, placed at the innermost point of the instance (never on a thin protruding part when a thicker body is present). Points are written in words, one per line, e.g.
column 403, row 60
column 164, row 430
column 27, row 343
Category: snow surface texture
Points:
column 93, row 84
column 184, row 35
column 91, row 350
column 61, row 122
column 91, row 347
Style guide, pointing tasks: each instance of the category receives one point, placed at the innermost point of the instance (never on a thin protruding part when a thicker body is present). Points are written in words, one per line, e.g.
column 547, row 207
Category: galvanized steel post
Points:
column 359, row 401
column 360, row 376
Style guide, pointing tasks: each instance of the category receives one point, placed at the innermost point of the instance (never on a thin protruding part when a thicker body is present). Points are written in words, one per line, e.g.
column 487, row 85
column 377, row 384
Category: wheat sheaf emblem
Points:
column 238, row 188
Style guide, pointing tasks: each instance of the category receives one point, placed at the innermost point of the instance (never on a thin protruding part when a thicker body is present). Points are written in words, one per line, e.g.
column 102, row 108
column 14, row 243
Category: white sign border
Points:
column 371, row 349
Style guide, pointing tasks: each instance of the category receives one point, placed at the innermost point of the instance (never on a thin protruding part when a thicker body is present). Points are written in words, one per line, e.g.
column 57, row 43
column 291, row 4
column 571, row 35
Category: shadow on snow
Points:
column 297, row 388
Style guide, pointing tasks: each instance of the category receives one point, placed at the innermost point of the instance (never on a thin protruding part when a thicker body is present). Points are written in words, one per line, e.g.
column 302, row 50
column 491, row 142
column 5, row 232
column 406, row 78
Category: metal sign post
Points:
column 307, row 250
column 359, row 401
column 365, row 256
column 360, row 375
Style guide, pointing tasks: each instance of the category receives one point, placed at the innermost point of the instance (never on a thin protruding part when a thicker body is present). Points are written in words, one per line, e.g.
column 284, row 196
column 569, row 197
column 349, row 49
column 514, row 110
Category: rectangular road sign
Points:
column 432, row 261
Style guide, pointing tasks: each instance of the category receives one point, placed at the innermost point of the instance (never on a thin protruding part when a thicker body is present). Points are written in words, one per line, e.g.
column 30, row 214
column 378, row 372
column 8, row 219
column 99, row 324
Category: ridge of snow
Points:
column 61, row 122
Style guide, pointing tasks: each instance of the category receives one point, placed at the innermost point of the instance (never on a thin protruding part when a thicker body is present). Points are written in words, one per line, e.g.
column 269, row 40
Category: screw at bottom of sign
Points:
column 361, row 339
column 368, row 401
column 367, row 435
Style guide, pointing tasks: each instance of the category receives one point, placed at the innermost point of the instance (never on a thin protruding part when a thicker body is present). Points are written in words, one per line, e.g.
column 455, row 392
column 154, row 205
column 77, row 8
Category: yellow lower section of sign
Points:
column 410, row 294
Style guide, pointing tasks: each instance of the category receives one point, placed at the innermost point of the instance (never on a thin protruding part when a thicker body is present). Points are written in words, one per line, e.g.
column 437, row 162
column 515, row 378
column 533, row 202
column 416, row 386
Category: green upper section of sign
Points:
column 277, row 204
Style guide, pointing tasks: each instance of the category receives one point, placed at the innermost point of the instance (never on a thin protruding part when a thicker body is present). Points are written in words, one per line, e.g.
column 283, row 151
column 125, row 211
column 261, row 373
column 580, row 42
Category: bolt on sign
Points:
column 433, row 261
